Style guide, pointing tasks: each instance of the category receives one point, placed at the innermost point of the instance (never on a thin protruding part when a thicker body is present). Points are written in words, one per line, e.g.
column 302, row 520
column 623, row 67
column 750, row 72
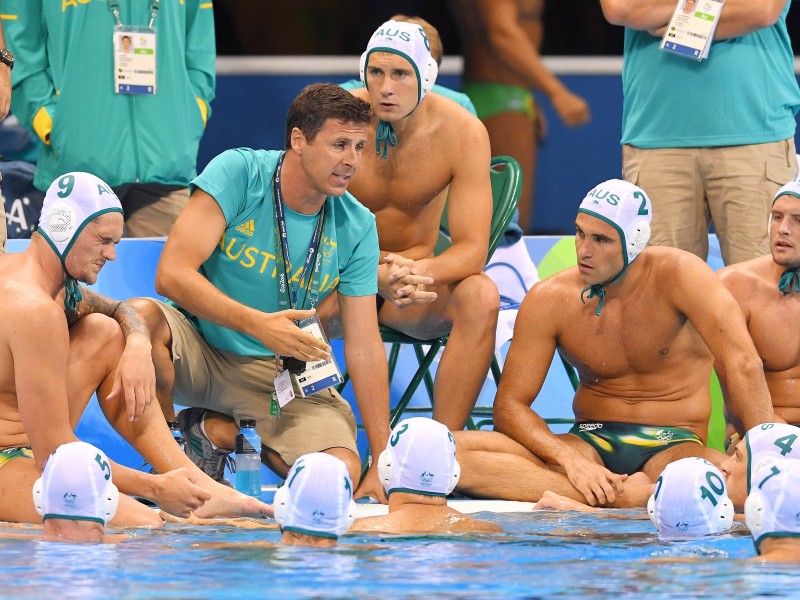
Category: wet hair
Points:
column 437, row 50
column 318, row 102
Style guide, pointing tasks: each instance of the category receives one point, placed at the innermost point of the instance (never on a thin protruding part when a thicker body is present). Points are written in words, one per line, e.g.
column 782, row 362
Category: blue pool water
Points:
column 541, row 554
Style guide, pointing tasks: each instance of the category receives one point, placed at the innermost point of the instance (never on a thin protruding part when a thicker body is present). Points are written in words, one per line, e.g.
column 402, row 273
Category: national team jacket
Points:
column 63, row 88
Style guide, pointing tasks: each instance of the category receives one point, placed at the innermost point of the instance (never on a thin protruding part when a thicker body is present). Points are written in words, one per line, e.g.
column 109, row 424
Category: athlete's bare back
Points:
column 480, row 61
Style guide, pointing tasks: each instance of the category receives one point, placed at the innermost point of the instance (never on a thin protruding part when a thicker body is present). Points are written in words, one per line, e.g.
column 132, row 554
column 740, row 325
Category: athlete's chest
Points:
column 773, row 325
column 411, row 176
column 628, row 338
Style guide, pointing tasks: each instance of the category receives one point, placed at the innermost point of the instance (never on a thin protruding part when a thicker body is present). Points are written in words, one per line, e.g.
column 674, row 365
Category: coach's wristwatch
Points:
column 7, row 58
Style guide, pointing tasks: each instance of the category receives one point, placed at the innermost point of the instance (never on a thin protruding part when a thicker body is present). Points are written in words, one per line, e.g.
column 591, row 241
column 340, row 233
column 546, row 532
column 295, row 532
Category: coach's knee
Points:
column 153, row 317
column 350, row 459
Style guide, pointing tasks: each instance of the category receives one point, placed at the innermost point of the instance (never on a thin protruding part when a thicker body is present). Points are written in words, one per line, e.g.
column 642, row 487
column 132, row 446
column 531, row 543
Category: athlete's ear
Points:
column 298, row 140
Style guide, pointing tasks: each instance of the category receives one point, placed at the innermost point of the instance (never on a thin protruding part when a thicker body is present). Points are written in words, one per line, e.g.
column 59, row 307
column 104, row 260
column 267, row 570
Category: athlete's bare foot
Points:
column 552, row 501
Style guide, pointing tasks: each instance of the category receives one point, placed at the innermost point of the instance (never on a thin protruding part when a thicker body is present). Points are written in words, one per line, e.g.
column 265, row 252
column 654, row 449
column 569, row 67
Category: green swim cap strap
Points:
column 789, row 282
column 595, row 290
column 385, row 137
column 73, row 293
column 598, row 289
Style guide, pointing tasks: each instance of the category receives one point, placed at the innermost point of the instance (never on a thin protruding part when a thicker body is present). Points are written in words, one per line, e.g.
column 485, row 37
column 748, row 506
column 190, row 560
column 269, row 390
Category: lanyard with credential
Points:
column 286, row 291
column 113, row 6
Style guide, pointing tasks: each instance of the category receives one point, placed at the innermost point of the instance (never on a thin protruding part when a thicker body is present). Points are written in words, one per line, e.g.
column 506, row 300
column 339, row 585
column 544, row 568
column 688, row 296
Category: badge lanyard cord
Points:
column 113, row 6
column 286, row 291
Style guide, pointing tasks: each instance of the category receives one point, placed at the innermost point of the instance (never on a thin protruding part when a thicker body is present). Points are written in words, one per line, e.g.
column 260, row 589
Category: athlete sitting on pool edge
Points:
column 642, row 327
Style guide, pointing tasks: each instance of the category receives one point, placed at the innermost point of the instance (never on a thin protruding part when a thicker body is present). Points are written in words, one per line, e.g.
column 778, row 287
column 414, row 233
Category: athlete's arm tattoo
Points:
column 124, row 314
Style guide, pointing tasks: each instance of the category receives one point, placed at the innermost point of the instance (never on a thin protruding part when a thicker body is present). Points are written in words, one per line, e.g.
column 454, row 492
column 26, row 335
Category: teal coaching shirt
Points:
column 744, row 93
column 243, row 265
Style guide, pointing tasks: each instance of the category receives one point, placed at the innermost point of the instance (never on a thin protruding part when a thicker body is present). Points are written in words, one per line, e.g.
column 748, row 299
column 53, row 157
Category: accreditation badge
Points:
column 134, row 60
column 691, row 29
column 283, row 389
column 320, row 374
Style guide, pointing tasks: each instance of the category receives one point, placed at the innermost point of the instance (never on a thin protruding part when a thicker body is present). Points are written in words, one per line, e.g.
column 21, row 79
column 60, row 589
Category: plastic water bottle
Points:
column 248, row 459
column 175, row 430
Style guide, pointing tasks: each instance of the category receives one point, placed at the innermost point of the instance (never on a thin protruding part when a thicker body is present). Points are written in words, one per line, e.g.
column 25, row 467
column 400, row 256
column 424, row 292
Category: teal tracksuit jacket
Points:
column 63, row 88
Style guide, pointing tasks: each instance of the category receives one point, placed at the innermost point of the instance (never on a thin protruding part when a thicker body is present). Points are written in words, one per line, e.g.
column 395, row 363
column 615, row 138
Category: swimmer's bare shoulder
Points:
column 745, row 277
column 238, row 522
column 28, row 307
column 455, row 121
column 478, row 526
column 457, row 522
column 449, row 522
column 374, row 524
column 114, row 538
column 671, row 271
column 560, row 283
column 361, row 92
column 554, row 297
column 19, row 285
column 664, row 259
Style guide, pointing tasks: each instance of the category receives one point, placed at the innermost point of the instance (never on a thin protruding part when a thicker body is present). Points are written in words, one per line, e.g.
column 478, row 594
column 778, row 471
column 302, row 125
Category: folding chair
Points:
column 506, row 181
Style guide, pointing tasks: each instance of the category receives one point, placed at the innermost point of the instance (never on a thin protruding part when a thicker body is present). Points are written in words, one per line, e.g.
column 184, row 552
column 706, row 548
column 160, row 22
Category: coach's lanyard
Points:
column 113, row 6
column 286, row 291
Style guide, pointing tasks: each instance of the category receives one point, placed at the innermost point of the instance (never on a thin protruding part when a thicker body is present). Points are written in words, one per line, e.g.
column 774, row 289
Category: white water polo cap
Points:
column 790, row 189
column 317, row 498
column 773, row 507
column 71, row 202
column 627, row 209
column 420, row 458
column 767, row 443
column 409, row 41
column 691, row 499
column 76, row 485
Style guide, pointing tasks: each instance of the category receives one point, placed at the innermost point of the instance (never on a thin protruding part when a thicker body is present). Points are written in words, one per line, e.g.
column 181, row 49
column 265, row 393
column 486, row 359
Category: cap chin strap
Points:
column 597, row 290
column 789, row 282
column 73, row 292
column 385, row 137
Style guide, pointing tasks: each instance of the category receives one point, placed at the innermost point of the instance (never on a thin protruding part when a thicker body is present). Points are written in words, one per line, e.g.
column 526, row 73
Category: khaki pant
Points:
column 241, row 386
column 151, row 209
column 733, row 186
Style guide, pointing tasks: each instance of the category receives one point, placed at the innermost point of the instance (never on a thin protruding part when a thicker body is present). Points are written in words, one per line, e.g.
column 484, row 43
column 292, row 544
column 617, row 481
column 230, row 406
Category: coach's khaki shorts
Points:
column 241, row 386
column 732, row 186
column 151, row 209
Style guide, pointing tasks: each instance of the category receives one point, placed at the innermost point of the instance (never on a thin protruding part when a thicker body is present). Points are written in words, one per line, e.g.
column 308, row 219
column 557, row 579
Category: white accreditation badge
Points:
column 283, row 389
column 320, row 374
column 691, row 29
column 134, row 60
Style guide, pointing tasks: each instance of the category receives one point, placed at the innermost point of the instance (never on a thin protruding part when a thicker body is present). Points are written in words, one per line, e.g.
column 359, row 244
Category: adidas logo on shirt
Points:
column 248, row 228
